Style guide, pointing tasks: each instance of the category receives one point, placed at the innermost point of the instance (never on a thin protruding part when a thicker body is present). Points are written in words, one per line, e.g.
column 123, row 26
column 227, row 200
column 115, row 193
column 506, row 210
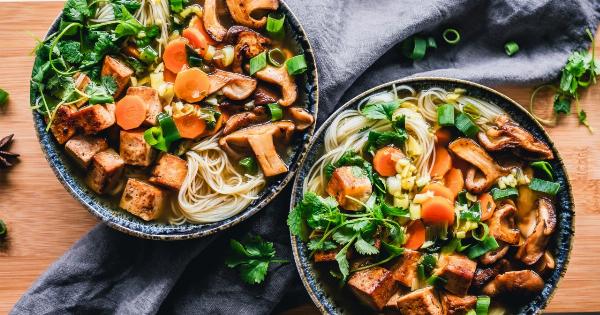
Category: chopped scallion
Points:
column 258, row 63
column 485, row 232
column 276, row 112
column 276, row 57
column 445, row 115
column 489, row 243
column 500, row 194
column 249, row 165
column 472, row 214
column 451, row 36
column 545, row 168
column 431, row 42
column 435, row 280
column 544, row 186
column 483, row 304
column 3, row 97
column 169, row 129
column 275, row 23
column 154, row 137
column 419, row 49
column 148, row 54
column 176, row 5
column 101, row 99
column 296, row 65
column 466, row 125
column 511, row 48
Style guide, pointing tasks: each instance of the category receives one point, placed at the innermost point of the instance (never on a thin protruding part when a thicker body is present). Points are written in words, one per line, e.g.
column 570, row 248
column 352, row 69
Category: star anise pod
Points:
column 7, row 158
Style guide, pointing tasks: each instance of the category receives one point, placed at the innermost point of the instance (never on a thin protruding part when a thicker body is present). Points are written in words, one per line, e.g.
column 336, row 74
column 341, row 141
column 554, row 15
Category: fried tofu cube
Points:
column 373, row 286
column 420, row 302
column 112, row 109
column 405, row 269
column 63, row 125
column 349, row 181
column 134, row 149
column 458, row 271
column 391, row 307
column 119, row 71
column 456, row 305
column 152, row 101
column 142, row 199
column 107, row 169
column 83, row 148
column 169, row 171
column 93, row 119
column 81, row 82
column 325, row 255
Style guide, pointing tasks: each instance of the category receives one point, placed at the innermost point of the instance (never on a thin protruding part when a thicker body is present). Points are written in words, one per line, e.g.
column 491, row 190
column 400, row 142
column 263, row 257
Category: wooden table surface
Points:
column 44, row 220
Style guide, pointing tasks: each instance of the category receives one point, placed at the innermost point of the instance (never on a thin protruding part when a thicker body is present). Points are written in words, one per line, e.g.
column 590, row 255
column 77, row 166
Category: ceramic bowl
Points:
column 108, row 211
column 326, row 293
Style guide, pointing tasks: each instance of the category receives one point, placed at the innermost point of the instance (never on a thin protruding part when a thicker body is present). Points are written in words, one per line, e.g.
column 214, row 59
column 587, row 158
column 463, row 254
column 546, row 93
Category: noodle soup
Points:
column 179, row 114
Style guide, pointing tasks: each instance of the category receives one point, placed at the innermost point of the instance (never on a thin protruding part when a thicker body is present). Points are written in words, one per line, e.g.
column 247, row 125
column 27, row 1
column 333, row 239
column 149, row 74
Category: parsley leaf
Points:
column 378, row 139
column 316, row 211
column 71, row 51
column 562, row 104
column 76, row 10
column 365, row 248
column 252, row 257
column 109, row 83
column 314, row 245
column 131, row 5
column 380, row 110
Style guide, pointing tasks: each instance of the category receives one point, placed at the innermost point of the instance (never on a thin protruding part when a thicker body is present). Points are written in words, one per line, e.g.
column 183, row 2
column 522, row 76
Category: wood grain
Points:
column 44, row 221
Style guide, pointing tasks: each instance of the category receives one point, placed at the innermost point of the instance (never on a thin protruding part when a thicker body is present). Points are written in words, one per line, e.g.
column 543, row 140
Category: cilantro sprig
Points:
column 252, row 257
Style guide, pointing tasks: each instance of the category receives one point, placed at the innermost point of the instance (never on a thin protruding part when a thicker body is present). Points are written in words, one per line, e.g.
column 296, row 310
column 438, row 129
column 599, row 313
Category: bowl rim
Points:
column 197, row 230
column 354, row 101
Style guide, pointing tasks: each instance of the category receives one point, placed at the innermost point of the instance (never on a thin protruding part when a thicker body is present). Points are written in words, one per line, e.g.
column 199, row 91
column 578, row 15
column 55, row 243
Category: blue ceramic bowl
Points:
column 108, row 210
column 327, row 295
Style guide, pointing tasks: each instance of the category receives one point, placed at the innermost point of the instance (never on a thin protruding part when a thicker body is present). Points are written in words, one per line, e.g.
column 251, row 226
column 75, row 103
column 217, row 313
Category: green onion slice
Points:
column 148, row 55
column 276, row 112
column 193, row 58
column 484, row 233
column 258, row 63
column 431, row 43
column 435, row 280
column 472, row 111
column 276, row 57
column 511, row 48
column 545, row 168
column 466, row 125
column 451, row 36
column 500, row 194
column 168, row 128
column 154, row 137
column 483, row 304
column 489, row 243
column 472, row 214
column 550, row 188
column 445, row 115
column 296, row 65
column 249, row 165
column 3, row 229
column 420, row 48
column 101, row 99
column 275, row 23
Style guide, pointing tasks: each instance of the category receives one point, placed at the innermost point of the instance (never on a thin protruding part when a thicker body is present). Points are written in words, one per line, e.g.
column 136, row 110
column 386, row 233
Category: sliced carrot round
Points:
column 175, row 56
column 437, row 210
column 190, row 126
column 196, row 39
column 439, row 190
column 487, row 204
column 197, row 23
column 130, row 112
column 169, row 76
column 191, row 85
column 455, row 181
column 442, row 163
column 416, row 235
column 385, row 160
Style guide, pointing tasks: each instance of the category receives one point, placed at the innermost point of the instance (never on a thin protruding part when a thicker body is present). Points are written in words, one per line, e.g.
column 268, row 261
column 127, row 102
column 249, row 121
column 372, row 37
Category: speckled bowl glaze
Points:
column 327, row 295
column 108, row 211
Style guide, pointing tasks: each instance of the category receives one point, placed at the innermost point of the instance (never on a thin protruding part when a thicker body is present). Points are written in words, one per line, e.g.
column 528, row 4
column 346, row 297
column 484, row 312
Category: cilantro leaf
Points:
column 393, row 211
column 315, row 244
column 378, row 139
column 131, row 5
column 252, row 257
column 76, row 10
column 343, row 263
column 365, row 248
column 562, row 105
column 343, row 236
column 380, row 110
column 109, row 83
column 71, row 51
column 316, row 211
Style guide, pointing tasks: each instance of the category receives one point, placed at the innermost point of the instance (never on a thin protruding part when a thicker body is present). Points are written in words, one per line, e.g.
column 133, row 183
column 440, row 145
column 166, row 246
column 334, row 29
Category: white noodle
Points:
column 156, row 12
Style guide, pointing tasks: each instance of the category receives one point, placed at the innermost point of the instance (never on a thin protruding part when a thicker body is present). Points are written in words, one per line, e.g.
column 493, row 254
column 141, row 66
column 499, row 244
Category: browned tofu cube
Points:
column 391, row 307
column 405, row 269
column 107, row 169
column 134, row 149
column 81, row 82
column 350, row 181
column 112, row 109
column 169, row 171
column 420, row 302
column 63, row 125
column 152, row 101
column 456, row 305
column 83, row 148
column 373, row 286
column 325, row 255
column 119, row 71
column 142, row 199
column 93, row 119
column 458, row 271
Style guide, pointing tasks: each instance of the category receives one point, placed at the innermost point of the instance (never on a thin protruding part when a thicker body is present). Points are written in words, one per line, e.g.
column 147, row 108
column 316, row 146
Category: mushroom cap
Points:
column 516, row 283
column 248, row 43
column 280, row 76
column 234, row 86
column 534, row 246
column 243, row 120
column 242, row 11
column 301, row 117
column 211, row 21
column 502, row 224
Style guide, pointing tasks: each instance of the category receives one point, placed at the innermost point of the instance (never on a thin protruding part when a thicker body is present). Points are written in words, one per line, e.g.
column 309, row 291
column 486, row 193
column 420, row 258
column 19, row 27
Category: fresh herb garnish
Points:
column 252, row 257
column 380, row 110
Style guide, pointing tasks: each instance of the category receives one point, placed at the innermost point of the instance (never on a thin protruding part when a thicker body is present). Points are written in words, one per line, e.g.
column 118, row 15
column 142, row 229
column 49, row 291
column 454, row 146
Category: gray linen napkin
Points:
column 356, row 46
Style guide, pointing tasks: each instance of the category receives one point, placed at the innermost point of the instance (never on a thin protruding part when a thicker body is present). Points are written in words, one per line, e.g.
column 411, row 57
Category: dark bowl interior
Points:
column 326, row 293
column 107, row 209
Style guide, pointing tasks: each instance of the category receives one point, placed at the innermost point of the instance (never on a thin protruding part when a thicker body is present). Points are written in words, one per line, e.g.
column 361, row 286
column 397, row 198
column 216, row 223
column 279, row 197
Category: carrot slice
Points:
column 175, row 57
column 454, row 181
column 439, row 190
column 190, row 126
column 197, row 23
column 416, row 235
column 443, row 136
column 487, row 206
column 191, row 85
column 169, row 76
column 385, row 160
column 196, row 39
column 443, row 162
column 437, row 210
column 130, row 112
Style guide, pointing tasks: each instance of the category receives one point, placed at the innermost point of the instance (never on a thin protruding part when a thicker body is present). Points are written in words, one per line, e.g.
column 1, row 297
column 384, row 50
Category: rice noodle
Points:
column 156, row 12
column 213, row 189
